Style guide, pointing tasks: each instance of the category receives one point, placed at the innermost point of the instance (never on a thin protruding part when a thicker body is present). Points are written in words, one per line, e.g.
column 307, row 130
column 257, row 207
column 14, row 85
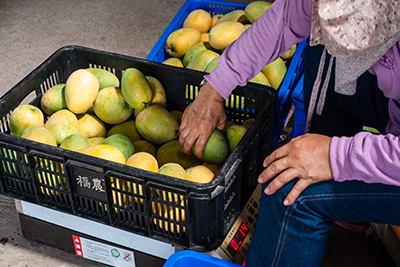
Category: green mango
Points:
column 136, row 89
column 106, row 78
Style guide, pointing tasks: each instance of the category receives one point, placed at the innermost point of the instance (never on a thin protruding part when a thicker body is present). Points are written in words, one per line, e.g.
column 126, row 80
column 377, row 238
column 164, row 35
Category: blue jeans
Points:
column 297, row 235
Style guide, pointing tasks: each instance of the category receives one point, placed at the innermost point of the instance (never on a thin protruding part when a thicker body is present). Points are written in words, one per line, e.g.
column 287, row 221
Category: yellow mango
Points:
column 237, row 15
column 180, row 41
column 225, row 33
column 198, row 19
column 106, row 152
column 275, row 72
column 91, row 126
column 54, row 99
column 199, row 174
column 204, row 37
column 81, row 90
column 290, row 53
column 61, row 124
column 159, row 95
column 39, row 134
column 255, row 9
column 173, row 61
column 24, row 116
column 260, row 78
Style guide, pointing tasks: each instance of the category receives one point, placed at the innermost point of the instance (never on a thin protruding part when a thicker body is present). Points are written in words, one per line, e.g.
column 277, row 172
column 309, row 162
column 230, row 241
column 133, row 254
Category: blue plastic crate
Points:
column 192, row 258
column 295, row 69
column 158, row 53
column 299, row 113
column 284, row 101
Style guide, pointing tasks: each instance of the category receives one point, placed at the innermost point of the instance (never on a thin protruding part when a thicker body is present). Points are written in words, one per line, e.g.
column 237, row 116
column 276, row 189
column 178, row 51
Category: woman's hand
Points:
column 305, row 157
column 205, row 113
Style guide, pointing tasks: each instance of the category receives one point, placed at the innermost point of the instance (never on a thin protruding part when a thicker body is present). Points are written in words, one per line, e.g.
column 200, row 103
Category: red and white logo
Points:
column 77, row 245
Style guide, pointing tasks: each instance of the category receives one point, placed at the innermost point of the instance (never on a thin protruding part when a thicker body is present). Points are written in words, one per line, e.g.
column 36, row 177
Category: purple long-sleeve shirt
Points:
column 365, row 157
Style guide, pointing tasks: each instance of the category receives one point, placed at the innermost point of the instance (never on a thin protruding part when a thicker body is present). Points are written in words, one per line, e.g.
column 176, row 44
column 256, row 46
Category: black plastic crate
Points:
column 123, row 196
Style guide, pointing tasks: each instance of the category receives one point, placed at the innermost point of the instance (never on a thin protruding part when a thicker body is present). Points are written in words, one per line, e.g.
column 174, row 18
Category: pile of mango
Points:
column 125, row 121
column 202, row 38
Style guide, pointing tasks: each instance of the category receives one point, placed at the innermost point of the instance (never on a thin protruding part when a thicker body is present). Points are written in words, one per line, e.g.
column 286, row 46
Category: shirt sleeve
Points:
column 285, row 23
column 366, row 157
column 370, row 157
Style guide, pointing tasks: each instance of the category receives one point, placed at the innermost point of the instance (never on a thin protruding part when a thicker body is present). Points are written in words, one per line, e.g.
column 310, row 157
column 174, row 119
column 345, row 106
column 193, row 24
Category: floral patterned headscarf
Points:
column 355, row 32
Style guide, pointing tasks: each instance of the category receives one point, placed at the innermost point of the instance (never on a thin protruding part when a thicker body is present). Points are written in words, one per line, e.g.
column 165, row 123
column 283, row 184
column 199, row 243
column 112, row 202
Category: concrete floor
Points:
column 31, row 30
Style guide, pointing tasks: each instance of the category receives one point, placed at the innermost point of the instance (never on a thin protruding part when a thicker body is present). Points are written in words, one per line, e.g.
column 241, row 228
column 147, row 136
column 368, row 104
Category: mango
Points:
column 144, row 161
column 214, row 167
column 39, row 134
column 255, row 9
column 159, row 95
column 172, row 152
column 290, row 53
column 193, row 51
column 216, row 149
column 122, row 142
column 224, row 34
column 105, row 152
column 260, row 78
column 198, row 19
column 212, row 65
column 237, row 15
column 96, row 140
column 106, row 78
column 234, row 134
column 61, row 124
column 173, row 61
column 199, row 174
column 177, row 115
column 81, row 90
column 247, row 123
column 136, row 88
column 215, row 19
column 145, row 146
column 173, row 170
column 91, row 126
column 24, row 116
column 129, row 128
column 275, row 72
column 54, row 99
column 74, row 142
column 227, row 125
column 180, row 41
column 157, row 125
column 201, row 60
column 111, row 107
column 204, row 37
column 175, row 214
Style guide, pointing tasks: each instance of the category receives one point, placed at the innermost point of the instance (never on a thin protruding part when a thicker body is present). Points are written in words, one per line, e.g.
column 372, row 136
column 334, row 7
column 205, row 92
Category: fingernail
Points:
column 265, row 165
column 266, row 190
column 260, row 180
column 286, row 202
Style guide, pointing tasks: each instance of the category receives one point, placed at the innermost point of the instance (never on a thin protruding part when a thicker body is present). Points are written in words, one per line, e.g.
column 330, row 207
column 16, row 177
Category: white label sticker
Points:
column 103, row 253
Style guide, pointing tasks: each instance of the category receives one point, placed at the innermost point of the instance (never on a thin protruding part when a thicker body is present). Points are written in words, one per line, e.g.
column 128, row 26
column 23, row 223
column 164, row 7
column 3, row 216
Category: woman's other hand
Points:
column 305, row 157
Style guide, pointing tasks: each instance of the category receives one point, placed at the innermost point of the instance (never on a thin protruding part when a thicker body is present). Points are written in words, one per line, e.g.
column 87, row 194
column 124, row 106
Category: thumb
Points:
column 221, row 125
